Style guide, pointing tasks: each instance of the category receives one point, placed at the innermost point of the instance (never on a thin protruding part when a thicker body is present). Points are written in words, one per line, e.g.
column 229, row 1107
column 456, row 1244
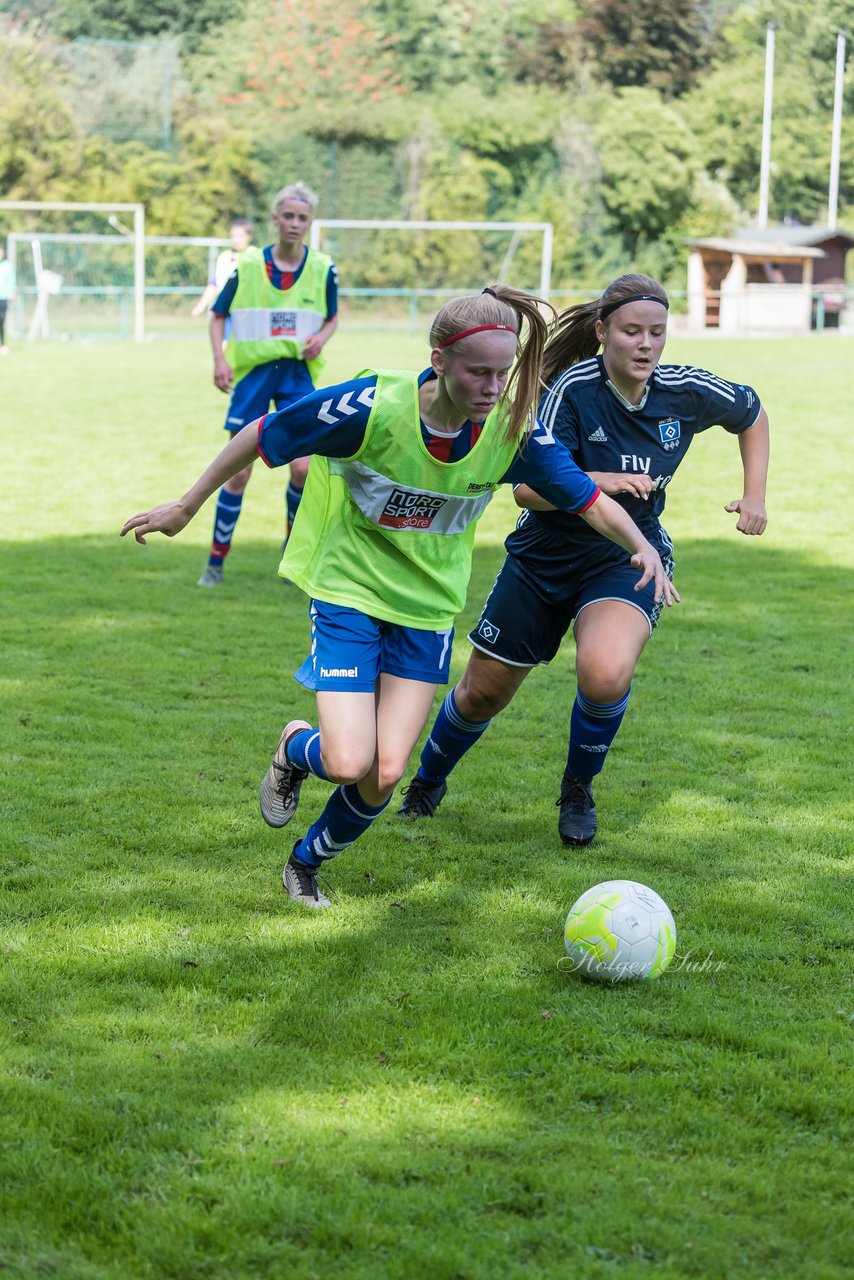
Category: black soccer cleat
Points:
column 300, row 881
column 577, row 821
column 421, row 799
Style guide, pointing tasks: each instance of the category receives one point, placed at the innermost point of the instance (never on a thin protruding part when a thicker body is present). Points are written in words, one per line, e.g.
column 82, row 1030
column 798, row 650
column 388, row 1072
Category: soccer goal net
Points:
column 397, row 273
column 79, row 268
column 89, row 271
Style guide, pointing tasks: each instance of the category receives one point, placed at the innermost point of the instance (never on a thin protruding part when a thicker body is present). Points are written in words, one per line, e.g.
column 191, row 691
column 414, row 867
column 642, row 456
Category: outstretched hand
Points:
column 650, row 562
column 169, row 518
column 752, row 517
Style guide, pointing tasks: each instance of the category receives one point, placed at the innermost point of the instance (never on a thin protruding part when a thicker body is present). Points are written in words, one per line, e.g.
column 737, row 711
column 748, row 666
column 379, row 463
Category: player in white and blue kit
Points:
column 627, row 421
column 240, row 239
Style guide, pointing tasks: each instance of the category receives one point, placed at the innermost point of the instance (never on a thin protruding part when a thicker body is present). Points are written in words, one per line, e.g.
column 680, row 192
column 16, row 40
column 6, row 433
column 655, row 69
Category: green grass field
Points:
column 201, row 1082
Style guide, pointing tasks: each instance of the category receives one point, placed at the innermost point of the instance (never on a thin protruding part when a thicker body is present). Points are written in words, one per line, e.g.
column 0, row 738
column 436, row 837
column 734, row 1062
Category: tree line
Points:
column 630, row 126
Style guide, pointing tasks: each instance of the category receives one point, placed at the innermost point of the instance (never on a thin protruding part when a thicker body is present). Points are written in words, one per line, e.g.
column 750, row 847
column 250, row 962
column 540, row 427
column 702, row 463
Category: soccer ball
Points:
column 619, row 931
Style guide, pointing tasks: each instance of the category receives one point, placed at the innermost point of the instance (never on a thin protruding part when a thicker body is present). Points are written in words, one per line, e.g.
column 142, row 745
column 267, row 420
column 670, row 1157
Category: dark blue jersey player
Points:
column 628, row 422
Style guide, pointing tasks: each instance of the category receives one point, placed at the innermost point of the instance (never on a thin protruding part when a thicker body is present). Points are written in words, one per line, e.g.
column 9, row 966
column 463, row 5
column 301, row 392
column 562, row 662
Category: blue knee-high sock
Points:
column 450, row 738
column 303, row 750
column 346, row 817
column 592, row 729
column 293, row 493
column 227, row 512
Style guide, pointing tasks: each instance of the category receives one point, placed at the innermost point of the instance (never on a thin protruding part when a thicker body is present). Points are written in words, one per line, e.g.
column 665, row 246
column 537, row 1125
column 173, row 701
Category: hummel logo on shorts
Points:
column 598, row 436
column 329, row 672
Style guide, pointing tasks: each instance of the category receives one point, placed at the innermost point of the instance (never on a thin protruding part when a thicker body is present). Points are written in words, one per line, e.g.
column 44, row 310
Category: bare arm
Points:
column 171, row 517
column 223, row 372
column 525, row 496
column 205, row 300
column 754, row 445
column 313, row 346
column 608, row 518
column 610, row 482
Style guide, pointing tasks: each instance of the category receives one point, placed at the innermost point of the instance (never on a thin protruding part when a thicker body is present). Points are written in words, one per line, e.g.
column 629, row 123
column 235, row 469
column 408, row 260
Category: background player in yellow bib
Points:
column 404, row 464
column 282, row 302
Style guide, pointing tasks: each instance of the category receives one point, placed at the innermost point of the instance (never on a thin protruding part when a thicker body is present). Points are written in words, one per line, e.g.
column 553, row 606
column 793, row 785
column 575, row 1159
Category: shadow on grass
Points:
column 140, row 712
column 177, row 1038
column 139, row 707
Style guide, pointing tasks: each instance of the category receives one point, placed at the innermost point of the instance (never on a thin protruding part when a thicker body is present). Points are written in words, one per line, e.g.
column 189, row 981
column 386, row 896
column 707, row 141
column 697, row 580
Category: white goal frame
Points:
column 138, row 237
column 518, row 228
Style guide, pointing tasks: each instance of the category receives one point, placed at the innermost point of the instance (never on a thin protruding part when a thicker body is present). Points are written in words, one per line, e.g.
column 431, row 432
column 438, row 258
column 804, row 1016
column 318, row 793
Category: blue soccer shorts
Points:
column 279, row 383
column 524, row 619
column 350, row 651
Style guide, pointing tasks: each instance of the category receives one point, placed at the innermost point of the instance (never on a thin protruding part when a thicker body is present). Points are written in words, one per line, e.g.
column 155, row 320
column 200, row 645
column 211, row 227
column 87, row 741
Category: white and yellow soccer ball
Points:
column 620, row 931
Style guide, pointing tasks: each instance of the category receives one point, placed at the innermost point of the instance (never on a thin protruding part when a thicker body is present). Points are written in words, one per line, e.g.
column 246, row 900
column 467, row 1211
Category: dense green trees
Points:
column 631, row 127
column 124, row 19
column 659, row 43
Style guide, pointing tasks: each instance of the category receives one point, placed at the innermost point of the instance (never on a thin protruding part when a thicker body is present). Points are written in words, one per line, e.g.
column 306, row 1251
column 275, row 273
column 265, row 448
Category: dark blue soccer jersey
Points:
column 603, row 432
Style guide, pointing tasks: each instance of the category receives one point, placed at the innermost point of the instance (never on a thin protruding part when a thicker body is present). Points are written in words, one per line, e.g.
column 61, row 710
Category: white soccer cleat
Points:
column 280, row 788
column 212, row 576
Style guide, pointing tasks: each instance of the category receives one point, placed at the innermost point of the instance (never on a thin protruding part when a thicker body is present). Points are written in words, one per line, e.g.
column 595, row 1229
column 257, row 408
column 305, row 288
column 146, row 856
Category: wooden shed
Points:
column 784, row 279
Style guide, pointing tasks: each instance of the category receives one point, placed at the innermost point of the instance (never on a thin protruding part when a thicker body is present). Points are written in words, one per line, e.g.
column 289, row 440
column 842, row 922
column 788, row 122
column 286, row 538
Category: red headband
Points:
column 464, row 333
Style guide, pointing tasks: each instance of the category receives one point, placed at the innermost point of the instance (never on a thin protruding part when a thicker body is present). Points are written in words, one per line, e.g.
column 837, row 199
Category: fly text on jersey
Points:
column 631, row 462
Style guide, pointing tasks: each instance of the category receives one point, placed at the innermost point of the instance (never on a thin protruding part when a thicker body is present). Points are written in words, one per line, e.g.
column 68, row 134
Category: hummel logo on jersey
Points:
column 344, row 407
column 339, row 672
column 598, row 436
column 541, row 433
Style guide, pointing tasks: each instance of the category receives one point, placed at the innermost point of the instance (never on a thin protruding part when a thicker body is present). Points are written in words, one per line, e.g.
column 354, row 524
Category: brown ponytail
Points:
column 506, row 306
column 574, row 335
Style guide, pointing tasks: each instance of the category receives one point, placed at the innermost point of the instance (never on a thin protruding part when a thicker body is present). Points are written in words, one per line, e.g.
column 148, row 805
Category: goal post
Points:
column 323, row 226
column 111, row 210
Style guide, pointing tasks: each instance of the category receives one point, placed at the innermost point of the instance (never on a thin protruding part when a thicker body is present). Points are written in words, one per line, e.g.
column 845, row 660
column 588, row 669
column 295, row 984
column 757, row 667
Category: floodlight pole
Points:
column 139, row 273
column 546, row 262
column 836, row 136
column 765, row 161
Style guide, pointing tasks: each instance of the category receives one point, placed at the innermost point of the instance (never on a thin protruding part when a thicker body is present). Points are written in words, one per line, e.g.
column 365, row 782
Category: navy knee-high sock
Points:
column 293, row 493
column 593, row 727
column 346, row 817
column 303, row 750
column 227, row 512
column 450, row 738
